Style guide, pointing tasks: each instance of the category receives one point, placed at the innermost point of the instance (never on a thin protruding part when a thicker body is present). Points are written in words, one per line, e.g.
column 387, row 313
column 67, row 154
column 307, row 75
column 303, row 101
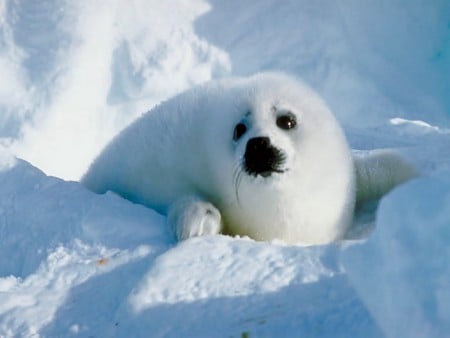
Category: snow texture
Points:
column 79, row 264
column 402, row 272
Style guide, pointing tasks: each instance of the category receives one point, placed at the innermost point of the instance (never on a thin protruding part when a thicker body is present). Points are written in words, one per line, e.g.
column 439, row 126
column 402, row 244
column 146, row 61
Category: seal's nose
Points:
column 262, row 158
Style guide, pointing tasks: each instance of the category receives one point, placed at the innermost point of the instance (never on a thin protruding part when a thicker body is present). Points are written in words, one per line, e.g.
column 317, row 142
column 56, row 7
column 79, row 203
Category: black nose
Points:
column 262, row 158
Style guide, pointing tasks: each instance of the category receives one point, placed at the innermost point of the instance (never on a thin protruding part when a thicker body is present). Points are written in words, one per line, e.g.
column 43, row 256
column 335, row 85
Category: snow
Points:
column 402, row 271
column 86, row 264
column 79, row 264
column 90, row 68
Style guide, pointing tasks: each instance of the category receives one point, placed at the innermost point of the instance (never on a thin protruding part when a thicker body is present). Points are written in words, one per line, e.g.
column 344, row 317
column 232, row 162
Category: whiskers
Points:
column 237, row 178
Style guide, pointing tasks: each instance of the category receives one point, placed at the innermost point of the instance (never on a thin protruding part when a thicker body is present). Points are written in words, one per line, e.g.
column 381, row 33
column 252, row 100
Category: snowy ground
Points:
column 79, row 264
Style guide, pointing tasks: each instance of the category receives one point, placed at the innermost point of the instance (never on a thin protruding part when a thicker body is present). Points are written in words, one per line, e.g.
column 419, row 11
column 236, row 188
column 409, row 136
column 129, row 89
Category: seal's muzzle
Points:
column 262, row 158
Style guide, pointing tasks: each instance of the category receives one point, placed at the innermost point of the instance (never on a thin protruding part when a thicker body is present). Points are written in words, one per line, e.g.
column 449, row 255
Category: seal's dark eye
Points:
column 287, row 121
column 239, row 130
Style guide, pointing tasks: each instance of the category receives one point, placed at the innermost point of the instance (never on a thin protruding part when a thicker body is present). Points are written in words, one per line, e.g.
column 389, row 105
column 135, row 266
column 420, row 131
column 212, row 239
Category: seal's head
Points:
column 290, row 166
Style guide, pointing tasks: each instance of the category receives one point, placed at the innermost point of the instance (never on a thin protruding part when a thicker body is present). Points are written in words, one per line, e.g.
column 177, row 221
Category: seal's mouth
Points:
column 261, row 158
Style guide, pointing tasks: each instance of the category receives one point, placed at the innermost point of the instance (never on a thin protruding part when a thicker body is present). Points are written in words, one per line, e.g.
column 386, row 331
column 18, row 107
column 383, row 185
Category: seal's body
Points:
column 261, row 156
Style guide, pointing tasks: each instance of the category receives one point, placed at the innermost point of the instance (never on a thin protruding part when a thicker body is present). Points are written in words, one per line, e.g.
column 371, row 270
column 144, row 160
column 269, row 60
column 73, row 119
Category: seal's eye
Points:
column 239, row 130
column 287, row 121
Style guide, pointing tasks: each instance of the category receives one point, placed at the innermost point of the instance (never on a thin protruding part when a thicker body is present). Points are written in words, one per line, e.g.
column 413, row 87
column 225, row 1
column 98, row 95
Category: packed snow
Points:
column 79, row 264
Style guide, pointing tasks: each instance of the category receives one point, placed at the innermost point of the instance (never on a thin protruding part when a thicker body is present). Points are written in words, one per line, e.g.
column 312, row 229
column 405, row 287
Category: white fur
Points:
column 180, row 159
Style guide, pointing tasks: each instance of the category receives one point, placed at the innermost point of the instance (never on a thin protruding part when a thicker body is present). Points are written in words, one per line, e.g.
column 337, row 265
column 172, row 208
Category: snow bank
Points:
column 79, row 72
column 97, row 265
column 55, row 235
column 81, row 264
column 402, row 272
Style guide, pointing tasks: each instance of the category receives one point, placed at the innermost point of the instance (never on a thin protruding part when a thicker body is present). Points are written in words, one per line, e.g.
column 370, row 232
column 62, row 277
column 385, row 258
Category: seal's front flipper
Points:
column 377, row 172
column 192, row 216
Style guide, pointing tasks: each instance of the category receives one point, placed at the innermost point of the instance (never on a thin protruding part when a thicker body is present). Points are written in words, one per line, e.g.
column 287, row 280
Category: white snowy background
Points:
column 72, row 263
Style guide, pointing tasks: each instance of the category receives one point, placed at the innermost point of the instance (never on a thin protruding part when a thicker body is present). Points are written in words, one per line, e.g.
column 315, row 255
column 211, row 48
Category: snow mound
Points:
column 241, row 267
column 95, row 265
column 71, row 69
column 56, row 235
column 402, row 272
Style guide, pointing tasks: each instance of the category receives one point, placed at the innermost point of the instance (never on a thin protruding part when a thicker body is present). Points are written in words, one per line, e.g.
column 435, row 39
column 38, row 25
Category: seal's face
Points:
column 279, row 160
column 261, row 156
column 263, row 141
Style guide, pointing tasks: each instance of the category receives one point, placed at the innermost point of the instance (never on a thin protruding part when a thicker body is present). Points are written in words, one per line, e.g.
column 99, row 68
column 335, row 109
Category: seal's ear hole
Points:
column 286, row 121
column 239, row 130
